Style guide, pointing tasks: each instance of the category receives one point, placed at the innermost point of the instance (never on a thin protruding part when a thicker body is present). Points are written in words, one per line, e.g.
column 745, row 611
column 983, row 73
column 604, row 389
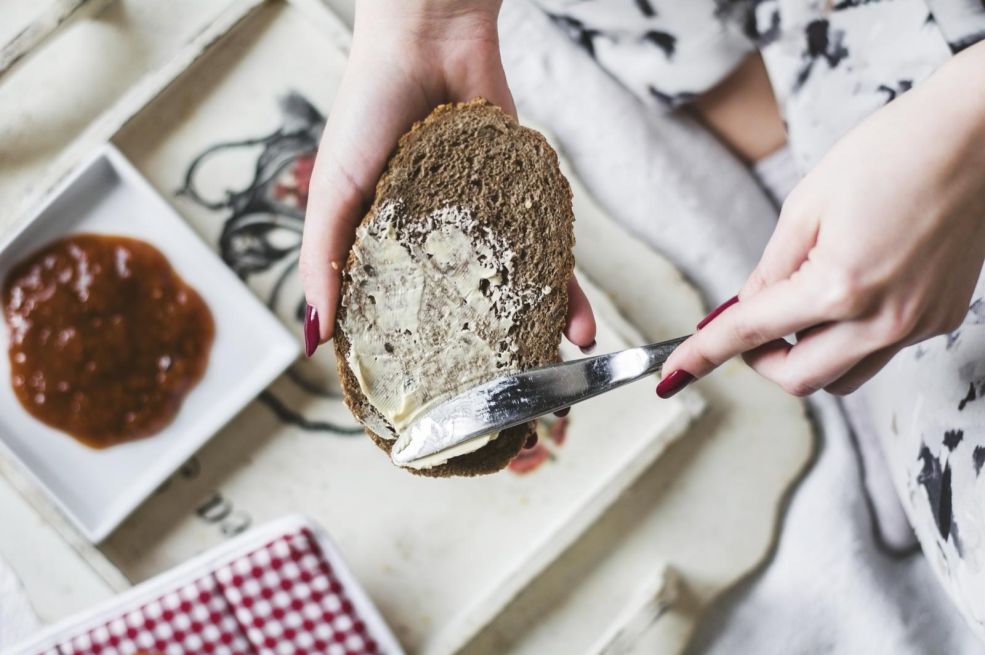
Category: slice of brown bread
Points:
column 474, row 157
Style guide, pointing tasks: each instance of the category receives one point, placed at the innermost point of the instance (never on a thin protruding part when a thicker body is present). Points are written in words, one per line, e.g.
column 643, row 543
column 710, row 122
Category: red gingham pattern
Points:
column 289, row 601
column 280, row 599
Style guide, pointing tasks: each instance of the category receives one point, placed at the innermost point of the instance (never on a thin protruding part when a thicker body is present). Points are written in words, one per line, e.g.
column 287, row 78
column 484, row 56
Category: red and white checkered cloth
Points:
column 280, row 599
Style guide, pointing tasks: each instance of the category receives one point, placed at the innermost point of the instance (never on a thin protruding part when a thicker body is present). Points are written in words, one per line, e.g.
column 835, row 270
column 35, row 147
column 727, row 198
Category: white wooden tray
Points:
column 225, row 134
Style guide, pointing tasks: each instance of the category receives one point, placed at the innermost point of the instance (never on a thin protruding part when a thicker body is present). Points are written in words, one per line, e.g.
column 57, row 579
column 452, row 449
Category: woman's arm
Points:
column 407, row 58
column 879, row 247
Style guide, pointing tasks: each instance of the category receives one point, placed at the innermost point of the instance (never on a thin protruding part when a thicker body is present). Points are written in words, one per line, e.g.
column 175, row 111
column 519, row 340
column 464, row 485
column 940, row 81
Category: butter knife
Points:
column 519, row 397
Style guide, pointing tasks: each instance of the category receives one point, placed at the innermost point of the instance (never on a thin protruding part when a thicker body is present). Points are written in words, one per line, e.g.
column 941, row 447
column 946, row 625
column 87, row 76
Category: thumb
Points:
column 372, row 110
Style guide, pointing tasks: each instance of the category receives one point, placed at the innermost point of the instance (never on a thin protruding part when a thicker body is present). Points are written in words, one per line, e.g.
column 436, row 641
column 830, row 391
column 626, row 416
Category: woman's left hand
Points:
column 879, row 247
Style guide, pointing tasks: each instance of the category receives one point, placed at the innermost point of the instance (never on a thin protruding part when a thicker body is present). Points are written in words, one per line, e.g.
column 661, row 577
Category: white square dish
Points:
column 97, row 489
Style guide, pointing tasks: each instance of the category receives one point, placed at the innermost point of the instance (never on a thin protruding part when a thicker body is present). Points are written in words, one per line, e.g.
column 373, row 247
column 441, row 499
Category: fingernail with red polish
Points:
column 561, row 413
column 589, row 349
column 312, row 331
column 674, row 383
column 718, row 310
column 530, row 442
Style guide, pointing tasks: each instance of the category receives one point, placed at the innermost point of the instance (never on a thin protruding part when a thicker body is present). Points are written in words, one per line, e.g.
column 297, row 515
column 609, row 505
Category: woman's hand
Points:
column 879, row 247
column 407, row 58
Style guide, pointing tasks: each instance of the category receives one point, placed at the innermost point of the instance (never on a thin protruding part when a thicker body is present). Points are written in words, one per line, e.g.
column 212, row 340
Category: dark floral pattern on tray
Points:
column 260, row 240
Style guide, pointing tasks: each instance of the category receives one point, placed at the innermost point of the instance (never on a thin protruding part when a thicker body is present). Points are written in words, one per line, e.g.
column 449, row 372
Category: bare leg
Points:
column 742, row 112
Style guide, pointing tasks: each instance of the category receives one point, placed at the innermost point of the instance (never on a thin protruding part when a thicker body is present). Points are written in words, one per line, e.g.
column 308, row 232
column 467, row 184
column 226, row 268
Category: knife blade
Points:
column 516, row 398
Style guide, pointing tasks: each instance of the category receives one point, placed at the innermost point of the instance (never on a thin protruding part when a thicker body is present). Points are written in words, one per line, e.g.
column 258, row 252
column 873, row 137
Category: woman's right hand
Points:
column 407, row 58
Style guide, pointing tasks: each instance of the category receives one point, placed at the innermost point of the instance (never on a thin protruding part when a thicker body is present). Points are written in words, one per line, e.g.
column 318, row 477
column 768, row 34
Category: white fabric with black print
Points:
column 831, row 68
column 928, row 406
column 832, row 63
column 665, row 52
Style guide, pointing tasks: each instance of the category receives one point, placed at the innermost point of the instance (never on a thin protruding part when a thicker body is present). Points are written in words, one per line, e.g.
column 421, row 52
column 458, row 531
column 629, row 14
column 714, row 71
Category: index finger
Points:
column 783, row 308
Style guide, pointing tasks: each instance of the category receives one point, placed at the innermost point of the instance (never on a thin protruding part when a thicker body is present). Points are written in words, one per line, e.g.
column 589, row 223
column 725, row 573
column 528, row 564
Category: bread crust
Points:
column 476, row 156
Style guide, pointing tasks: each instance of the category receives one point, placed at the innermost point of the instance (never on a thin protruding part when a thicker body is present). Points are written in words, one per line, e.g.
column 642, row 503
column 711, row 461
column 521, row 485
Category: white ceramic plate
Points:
column 97, row 489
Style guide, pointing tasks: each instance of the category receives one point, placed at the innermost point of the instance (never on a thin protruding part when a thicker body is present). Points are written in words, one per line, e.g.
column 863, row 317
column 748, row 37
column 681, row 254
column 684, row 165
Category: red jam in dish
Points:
column 106, row 340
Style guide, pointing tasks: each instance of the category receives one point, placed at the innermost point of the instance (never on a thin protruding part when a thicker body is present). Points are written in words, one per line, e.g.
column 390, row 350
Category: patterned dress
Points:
column 831, row 63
